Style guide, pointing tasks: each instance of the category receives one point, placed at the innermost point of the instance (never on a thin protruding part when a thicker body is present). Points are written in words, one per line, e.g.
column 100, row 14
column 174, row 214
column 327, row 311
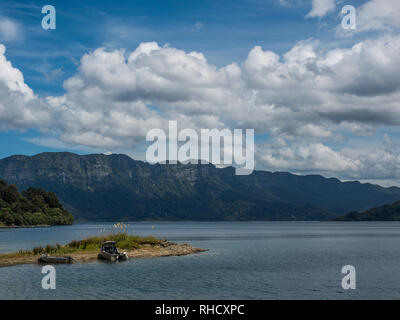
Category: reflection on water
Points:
column 247, row 260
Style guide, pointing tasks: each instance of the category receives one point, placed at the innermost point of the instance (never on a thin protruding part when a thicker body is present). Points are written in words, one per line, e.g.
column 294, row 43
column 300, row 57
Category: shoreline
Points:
column 26, row 226
column 146, row 251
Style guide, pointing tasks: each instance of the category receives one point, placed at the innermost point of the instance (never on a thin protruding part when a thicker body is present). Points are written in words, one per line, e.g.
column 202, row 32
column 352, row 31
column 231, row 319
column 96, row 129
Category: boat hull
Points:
column 123, row 256
column 51, row 260
column 108, row 256
column 112, row 257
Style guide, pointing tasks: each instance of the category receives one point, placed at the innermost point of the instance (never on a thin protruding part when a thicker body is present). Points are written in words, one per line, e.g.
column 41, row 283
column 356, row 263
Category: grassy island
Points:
column 86, row 250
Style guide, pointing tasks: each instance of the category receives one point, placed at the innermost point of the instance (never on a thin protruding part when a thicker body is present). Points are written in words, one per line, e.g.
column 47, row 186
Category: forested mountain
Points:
column 116, row 187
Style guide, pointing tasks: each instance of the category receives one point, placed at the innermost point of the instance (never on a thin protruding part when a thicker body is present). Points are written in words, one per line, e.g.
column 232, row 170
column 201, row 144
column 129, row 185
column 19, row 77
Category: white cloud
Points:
column 379, row 15
column 308, row 97
column 303, row 157
column 305, row 92
column 374, row 15
column 19, row 107
column 377, row 162
column 9, row 29
column 320, row 8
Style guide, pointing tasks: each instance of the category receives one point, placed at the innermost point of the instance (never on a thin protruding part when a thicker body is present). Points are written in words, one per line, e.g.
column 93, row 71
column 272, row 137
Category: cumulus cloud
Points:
column 307, row 91
column 320, row 8
column 307, row 97
column 9, row 29
column 377, row 162
column 379, row 15
column 19, row 107
column 374, row 15
column 302, row 157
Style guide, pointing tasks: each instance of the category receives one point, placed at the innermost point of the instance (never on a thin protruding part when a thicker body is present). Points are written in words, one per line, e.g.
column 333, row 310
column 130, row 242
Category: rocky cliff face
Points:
column 116, row 187
column 65, row 168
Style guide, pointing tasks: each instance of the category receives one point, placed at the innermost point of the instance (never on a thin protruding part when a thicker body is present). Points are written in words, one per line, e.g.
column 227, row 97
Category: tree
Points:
column 32, row 207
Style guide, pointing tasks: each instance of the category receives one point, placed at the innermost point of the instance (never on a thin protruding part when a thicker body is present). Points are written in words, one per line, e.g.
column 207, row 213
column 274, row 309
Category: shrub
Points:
column 38, row 250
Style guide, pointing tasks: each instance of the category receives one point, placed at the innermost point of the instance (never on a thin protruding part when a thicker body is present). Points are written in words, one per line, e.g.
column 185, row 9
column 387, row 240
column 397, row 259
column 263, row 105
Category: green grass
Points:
column 123, row 241
column 89, row 245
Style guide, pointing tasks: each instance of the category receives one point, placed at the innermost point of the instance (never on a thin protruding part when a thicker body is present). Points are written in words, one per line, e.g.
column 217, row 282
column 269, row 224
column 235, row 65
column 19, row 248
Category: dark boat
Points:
column 45, row 258
column 110, row 252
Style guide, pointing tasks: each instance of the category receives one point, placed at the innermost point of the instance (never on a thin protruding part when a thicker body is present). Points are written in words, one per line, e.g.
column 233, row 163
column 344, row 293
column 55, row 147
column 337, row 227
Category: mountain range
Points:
column 117, row 187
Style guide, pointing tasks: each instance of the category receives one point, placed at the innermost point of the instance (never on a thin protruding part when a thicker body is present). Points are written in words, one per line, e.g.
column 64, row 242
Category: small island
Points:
column 33, row 207
column 86, row 250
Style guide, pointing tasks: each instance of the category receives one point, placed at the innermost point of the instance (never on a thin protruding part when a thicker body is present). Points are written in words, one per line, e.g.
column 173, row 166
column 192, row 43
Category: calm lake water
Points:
column 247, row 260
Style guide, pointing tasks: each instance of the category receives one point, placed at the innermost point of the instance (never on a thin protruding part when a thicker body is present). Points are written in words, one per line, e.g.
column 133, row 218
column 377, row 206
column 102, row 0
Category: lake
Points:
column 246, row 260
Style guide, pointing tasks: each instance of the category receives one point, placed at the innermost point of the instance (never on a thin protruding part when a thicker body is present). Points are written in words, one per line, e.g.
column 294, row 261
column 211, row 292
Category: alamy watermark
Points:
column 49, row 20
column 49, row 280
column 349, row 20
column 349, row 280
column 186, row 146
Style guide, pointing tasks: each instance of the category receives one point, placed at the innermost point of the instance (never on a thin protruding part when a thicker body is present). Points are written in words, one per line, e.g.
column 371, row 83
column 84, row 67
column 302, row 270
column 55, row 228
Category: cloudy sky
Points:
column 322, row 99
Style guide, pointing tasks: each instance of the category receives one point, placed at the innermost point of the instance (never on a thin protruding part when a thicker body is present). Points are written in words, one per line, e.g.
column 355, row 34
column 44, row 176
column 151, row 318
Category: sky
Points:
column 322, row 99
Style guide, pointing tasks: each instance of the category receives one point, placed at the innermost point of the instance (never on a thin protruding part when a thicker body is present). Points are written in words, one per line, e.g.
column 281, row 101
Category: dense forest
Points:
column 388, row 212
column 31, row 207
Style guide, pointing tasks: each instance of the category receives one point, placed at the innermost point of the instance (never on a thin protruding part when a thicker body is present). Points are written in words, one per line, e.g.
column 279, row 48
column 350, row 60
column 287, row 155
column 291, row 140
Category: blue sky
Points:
column 225, row 32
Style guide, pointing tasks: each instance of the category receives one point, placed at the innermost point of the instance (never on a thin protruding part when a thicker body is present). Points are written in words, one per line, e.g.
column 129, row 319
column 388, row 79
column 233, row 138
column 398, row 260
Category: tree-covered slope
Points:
column 32, row 207
column 389, row 212
column 116, row 187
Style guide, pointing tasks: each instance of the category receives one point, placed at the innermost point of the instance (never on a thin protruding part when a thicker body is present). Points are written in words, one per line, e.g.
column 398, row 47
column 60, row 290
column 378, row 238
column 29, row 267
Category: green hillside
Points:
column 116, row 187
column 32, row 207
column 388, row 212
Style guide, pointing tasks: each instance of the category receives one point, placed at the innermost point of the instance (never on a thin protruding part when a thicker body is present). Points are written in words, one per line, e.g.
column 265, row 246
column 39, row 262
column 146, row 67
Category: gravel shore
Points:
column 146, row 251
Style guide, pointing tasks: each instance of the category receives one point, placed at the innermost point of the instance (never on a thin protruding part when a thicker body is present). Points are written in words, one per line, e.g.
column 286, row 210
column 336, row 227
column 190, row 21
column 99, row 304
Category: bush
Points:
column 38, row 250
